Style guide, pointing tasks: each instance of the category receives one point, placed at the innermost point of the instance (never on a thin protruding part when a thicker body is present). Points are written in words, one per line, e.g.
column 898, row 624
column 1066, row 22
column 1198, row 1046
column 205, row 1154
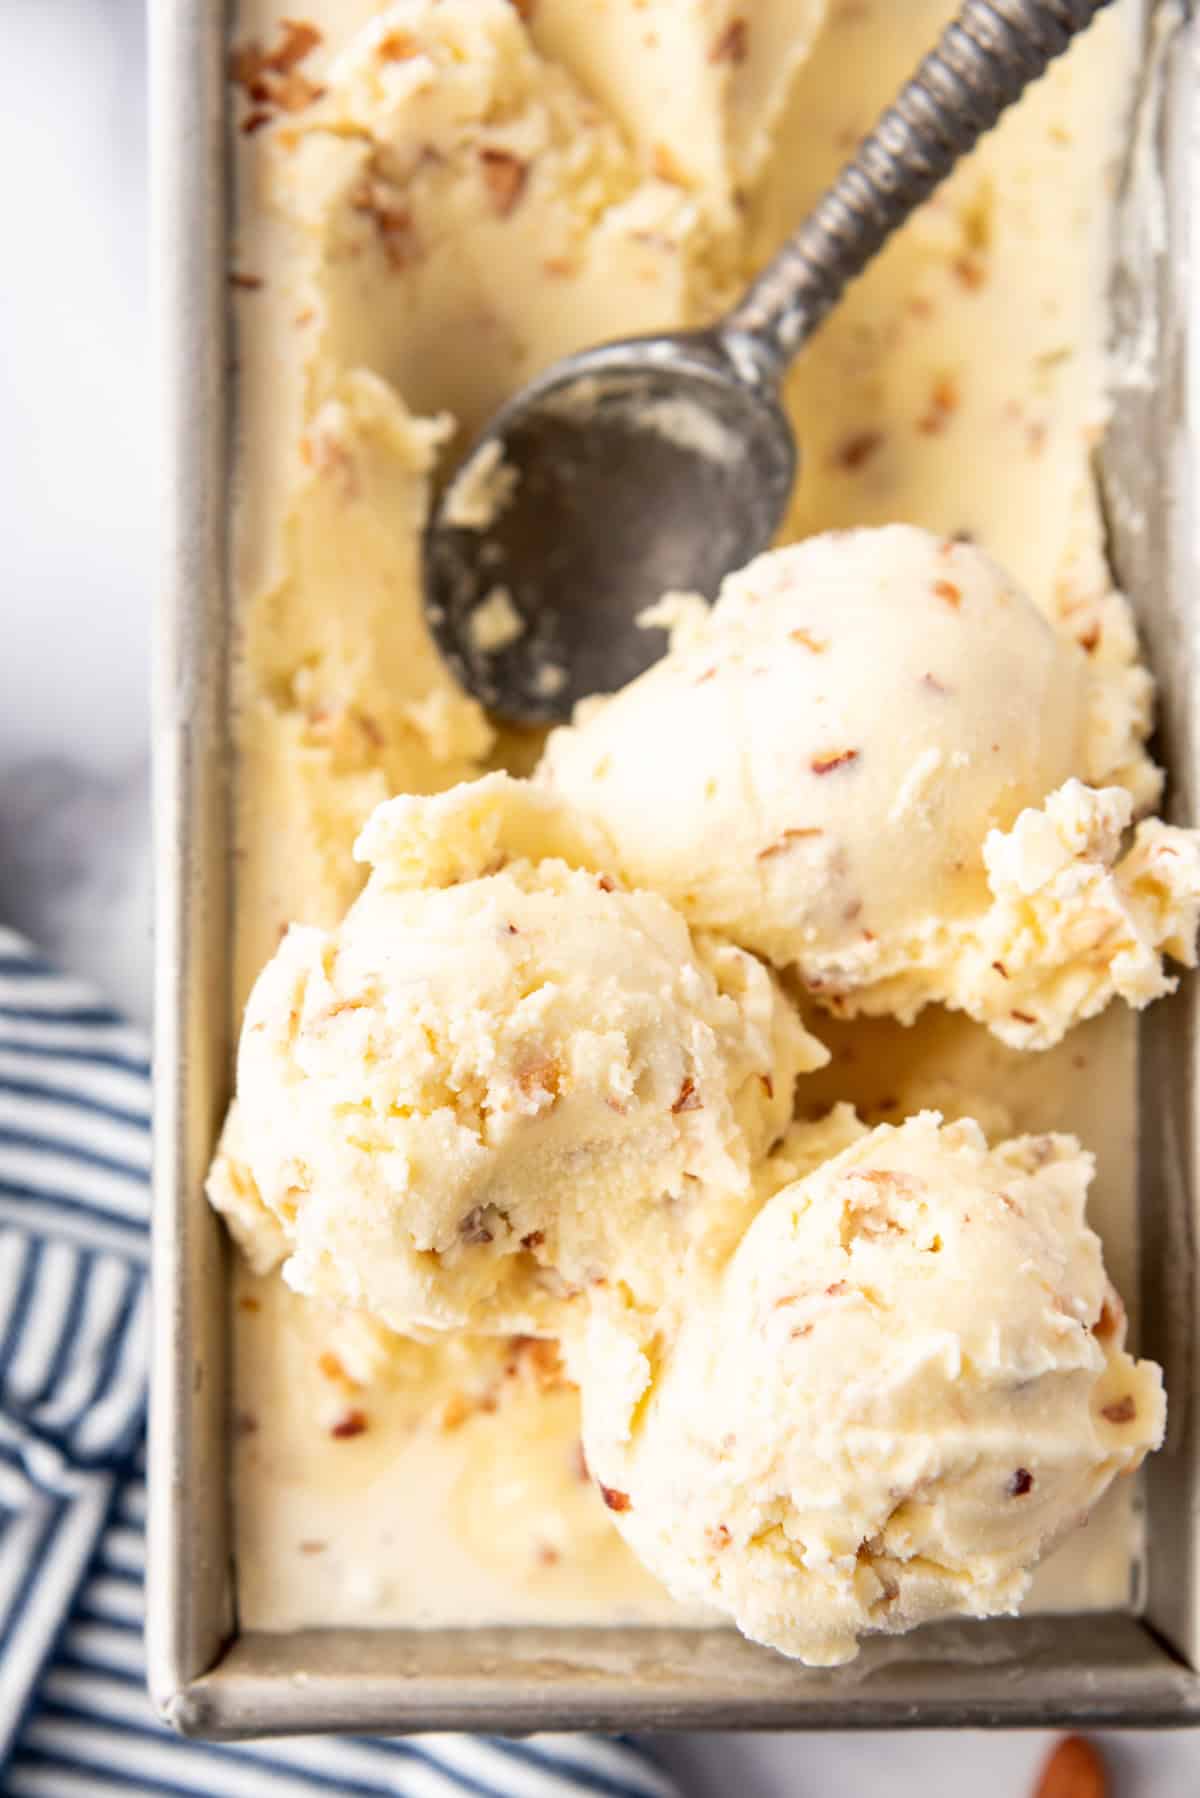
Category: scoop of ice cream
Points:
column 816, row 765
column 910, row 1382
column 504, row 1077
column 817, row 762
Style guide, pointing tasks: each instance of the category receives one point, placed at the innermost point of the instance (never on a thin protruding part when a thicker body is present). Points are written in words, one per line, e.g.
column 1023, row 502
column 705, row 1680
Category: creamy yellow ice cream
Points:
column 911, row 1383
column 1076, row 917
column 503, row 1079
column 433, row 200
column 386, row 1480
column 819, row 766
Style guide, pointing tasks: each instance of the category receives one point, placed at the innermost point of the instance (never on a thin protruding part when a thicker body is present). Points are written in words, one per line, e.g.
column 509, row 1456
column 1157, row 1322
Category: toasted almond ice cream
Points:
column 503, row 1079
column 817, row 765
column 909, row 1385
column 433, row 199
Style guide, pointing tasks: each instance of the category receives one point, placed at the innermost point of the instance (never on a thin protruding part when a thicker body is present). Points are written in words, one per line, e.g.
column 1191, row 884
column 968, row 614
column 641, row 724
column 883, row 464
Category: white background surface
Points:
column 79, row 540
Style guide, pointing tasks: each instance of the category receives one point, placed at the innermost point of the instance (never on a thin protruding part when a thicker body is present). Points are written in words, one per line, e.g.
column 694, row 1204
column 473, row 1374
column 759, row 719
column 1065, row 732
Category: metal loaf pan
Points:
column 207, row 1678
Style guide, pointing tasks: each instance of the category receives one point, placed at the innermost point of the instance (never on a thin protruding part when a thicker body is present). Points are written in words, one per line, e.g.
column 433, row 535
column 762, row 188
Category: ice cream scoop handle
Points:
column 983, row 62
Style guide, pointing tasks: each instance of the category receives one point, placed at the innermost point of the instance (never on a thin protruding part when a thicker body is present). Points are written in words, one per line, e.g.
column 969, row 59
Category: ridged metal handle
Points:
column 984, row 61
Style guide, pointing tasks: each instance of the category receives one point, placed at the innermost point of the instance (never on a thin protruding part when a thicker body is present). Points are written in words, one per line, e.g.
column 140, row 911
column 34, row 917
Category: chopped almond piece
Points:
column 455, row 1412
column 943, row 403
column 351, row 1423
column 1112, row 1313
column 689, row 1099
column 504, row 176
column 1073, row 1770
column 397, row 46
column 334, row 1369
column 733, row 44
column 293, row 92
column 540, row 1078
column 299, row 39
column 832, row 759
column 540, row 1357
column 246, row 64
column 271, row 79
column 857, row 449
column 1122, row 1410
column 668, row 167
column 945, row 393
column 787, row 838
column 392, row 220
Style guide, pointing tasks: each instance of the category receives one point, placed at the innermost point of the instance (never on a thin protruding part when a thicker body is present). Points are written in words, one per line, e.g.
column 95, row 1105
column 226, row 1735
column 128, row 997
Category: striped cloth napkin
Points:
column 75, row 1721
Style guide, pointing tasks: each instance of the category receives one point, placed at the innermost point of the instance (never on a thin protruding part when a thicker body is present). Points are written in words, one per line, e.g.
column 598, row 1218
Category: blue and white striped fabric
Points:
column 75, row 1721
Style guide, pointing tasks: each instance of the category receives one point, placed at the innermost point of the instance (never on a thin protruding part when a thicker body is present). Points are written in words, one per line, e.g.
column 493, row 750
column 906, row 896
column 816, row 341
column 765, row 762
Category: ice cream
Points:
column 821, row 764
column 699, row 88
column 432, row 201
column 503, row 1079
column 1076, row 917
column 911, row 1384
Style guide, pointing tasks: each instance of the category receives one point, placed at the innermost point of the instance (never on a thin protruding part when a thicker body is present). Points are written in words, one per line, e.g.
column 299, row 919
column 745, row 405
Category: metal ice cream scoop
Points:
column 659, row 464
